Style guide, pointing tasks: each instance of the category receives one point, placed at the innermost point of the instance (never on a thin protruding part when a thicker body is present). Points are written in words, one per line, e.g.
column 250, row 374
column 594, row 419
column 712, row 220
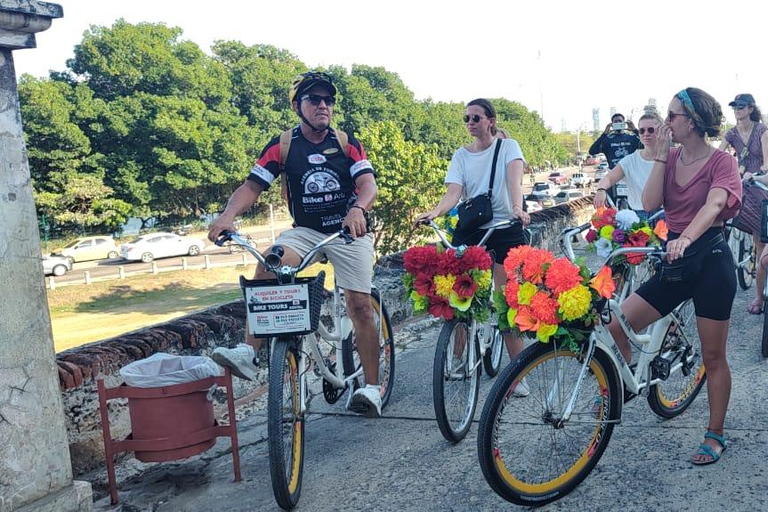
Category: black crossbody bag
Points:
column 690, row 265
column 476, row 211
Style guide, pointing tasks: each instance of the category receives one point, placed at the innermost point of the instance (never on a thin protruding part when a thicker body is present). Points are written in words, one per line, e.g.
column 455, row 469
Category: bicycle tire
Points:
column 454, row 419
column 351, row 359
column 765, row 332
column 510, row 471
column 286, row 462
column 493, row 354
column 746, row 271
column 674, row 395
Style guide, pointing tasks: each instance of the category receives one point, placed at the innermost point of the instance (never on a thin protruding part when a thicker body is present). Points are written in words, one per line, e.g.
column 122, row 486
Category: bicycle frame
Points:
column 342, row 324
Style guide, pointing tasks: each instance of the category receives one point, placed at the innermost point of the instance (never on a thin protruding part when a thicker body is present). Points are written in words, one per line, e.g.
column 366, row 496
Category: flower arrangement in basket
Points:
column 449, row 283
column 612, row 230
column 551, row 298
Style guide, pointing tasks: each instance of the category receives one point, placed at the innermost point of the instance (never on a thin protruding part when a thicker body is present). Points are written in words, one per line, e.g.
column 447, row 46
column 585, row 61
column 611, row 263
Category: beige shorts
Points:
column 352, row 263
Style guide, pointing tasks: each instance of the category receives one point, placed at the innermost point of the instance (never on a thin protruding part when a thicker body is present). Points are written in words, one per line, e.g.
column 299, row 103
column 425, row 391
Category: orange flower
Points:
column 533, row 270
column 525, row 320
column 562, row 275
column 661, row 230
column 544, row 307
column 603, row 283
column 510, row 292
column 515, row 258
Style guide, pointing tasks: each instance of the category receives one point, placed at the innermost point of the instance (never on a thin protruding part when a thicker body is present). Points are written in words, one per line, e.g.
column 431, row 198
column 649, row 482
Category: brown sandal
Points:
column 756, row 307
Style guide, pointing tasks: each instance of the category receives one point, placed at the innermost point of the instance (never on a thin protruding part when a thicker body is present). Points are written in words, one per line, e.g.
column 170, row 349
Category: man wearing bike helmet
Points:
column 329, row 187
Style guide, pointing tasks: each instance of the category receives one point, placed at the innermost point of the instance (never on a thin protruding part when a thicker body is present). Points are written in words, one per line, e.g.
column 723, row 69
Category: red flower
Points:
column 464, row 286
column 475, row 257
column 562, row 275
column 515, row 258
column 448, row 263
column 440, row 308
column 591, row 236
column 544, row 307
column 510, row 293
column 424, row 286
column 639, row 239
column 532, row 267
column 421, row 260
column 604, row 217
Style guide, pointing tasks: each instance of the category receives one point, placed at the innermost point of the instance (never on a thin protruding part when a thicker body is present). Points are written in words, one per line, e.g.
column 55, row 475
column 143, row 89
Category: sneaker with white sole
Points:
column 241, row 360
column 367, row 401
column 521, row 390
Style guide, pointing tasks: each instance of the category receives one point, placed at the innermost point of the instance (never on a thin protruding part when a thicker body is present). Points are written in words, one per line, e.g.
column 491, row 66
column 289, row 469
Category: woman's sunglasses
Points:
column 475, row 118
column 650, row 129
column 315, row 99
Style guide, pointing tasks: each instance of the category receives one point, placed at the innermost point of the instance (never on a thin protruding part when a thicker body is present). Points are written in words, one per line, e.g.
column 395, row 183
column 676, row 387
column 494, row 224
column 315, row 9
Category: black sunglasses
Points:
column 650, row 129
column 315, row 99
column 740, row 107
column 672, row 115
column 475, row 118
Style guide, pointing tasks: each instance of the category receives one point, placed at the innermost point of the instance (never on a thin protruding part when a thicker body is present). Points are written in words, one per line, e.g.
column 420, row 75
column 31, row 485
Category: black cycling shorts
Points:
column 712, row 291
column 500, row 242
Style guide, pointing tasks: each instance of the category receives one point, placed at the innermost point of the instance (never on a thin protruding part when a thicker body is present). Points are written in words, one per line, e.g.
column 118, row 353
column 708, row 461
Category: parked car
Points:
column 558, row 178
column 601, row 170
column 591, row 161
column 532, row 206
column 56, row 264
column 548, row 187
column 543, row 199
column 89, row 248
column 568, row 195
column 581, row 180
column 161, row 245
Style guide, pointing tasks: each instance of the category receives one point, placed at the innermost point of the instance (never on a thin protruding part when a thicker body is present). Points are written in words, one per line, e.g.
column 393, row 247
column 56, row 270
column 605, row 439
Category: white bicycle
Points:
column 537, row 450
column 286, row 310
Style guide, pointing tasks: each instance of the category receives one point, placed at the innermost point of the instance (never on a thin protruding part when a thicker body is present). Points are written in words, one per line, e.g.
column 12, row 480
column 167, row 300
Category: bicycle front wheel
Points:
column 455, row 381
column 529, row 453
column 681, row 355
column 285, row 426
column 492, row 356
column 746, row 269
column 351, row 359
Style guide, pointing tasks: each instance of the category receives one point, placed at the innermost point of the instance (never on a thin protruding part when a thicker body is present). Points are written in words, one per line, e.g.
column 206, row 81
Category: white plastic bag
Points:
column 163, row 369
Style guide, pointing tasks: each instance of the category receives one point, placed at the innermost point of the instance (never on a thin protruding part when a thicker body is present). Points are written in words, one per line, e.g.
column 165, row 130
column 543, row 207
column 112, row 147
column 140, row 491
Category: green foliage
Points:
column 144, row 123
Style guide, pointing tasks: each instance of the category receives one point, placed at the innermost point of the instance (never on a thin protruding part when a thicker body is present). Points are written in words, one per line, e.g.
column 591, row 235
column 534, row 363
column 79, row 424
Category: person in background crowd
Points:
column 618, row 140
column 749, row 139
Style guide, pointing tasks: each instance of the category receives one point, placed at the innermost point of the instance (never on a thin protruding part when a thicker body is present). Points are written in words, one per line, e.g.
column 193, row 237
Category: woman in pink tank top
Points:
column 699, row 187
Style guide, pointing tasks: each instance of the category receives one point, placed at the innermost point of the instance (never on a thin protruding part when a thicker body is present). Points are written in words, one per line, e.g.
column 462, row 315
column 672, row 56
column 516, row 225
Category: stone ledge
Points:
column 77, row 497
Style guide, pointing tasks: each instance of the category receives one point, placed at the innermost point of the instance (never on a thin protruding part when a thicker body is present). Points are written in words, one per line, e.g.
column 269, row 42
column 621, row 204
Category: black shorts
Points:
column 712, row 291
column 500, row 242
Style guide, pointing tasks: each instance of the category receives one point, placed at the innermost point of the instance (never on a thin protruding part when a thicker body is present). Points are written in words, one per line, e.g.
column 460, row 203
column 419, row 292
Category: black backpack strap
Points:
column 493, row 166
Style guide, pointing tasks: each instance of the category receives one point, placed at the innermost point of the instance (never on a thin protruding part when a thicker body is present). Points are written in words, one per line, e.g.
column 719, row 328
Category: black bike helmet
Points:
column 305, row 81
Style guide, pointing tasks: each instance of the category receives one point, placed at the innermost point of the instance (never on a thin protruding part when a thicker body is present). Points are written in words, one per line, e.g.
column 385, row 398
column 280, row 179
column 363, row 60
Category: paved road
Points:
column 401, row 462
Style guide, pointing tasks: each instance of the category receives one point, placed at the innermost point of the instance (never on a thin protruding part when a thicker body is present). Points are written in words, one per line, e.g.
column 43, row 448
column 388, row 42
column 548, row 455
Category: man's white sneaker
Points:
column 241, row 360
column 521, row 390
column 367, row 401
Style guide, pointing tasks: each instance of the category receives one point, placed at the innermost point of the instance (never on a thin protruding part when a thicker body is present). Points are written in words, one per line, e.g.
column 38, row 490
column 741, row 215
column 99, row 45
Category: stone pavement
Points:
column 401, row 462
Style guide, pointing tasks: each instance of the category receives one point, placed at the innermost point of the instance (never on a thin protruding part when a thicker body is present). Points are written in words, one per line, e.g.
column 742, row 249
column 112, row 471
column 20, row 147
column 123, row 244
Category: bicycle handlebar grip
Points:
column 224, row 236
column 275, row 256
column 584, row 226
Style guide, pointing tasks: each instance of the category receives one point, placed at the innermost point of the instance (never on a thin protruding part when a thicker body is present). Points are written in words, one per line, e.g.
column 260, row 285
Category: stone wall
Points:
column 200, row 333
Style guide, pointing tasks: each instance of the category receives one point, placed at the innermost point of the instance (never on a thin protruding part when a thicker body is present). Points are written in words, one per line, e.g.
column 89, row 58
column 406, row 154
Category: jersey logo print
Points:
column 262, row 173
column 359, row 166
column 320, row 182
column 330, row 151
column 316, row 159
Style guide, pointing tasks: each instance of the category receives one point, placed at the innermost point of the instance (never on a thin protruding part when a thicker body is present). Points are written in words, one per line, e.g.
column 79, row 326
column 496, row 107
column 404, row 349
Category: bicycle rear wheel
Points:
column 492, row 356
column 746, row 269
column 455, row 381
column 351, row 359
column 681, row 351
column 530, row 455
column 285, row 426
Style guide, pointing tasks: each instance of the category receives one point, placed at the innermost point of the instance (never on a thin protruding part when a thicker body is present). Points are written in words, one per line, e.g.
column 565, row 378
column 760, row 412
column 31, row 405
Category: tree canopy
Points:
column 144, row 123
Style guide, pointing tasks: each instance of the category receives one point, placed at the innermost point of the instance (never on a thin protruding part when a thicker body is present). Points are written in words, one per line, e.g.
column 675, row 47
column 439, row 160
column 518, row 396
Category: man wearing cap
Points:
column 749, row 140
column 329, row 187
column 618, row 140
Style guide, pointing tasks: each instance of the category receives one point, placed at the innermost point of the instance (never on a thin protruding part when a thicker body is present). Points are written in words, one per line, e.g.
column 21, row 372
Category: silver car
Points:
column 56, row 264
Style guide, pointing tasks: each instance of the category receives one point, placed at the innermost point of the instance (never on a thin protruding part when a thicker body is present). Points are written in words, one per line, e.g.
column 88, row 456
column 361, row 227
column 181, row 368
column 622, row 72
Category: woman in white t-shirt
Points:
column 469, row 174
column 634, row 168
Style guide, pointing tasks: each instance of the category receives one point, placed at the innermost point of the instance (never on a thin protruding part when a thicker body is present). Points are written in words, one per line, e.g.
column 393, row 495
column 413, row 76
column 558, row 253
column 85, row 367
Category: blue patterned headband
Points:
column 688, row 106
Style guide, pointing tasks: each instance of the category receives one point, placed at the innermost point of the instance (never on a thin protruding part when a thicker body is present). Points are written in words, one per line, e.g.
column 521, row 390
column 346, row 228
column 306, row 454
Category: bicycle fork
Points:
column 555, row 392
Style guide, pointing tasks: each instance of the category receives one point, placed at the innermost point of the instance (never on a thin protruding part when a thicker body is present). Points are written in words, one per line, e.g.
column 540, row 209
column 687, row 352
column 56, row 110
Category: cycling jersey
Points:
column 320, row 178
column 616, row 145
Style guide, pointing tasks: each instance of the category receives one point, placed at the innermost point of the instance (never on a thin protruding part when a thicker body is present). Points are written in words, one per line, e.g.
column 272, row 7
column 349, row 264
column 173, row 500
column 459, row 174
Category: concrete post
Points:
column 35, row 468
column 87, row 276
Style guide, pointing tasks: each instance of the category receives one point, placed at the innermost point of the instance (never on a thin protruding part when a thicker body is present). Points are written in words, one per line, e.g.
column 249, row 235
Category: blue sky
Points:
column 562, row 57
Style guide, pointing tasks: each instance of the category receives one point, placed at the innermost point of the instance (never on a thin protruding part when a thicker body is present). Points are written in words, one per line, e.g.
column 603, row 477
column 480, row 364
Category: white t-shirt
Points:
column 473, row 172
column 636, row 172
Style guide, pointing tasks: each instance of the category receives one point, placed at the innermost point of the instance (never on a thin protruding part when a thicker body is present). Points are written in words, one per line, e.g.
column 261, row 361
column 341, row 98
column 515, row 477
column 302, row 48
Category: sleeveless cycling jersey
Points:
column 320, row 178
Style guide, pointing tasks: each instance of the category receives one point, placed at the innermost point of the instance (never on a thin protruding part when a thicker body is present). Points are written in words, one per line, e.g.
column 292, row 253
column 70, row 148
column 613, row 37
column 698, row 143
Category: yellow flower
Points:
column 420, row 302
column 647, row 230
column 444, row 285
column 482, row 278
column 607, row 232
column 460, row 303
column 575, row 302
column 545, row 331
column 524, row 294
column 511, row 315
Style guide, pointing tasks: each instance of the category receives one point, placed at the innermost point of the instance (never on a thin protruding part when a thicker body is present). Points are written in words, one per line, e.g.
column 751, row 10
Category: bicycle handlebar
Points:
column 440, row 232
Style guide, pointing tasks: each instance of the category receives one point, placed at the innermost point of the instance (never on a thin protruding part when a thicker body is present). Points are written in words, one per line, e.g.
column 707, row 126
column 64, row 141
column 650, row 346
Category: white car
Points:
column 56, row 264
column 568, row 195
column 161, row 245
column 581, row 180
